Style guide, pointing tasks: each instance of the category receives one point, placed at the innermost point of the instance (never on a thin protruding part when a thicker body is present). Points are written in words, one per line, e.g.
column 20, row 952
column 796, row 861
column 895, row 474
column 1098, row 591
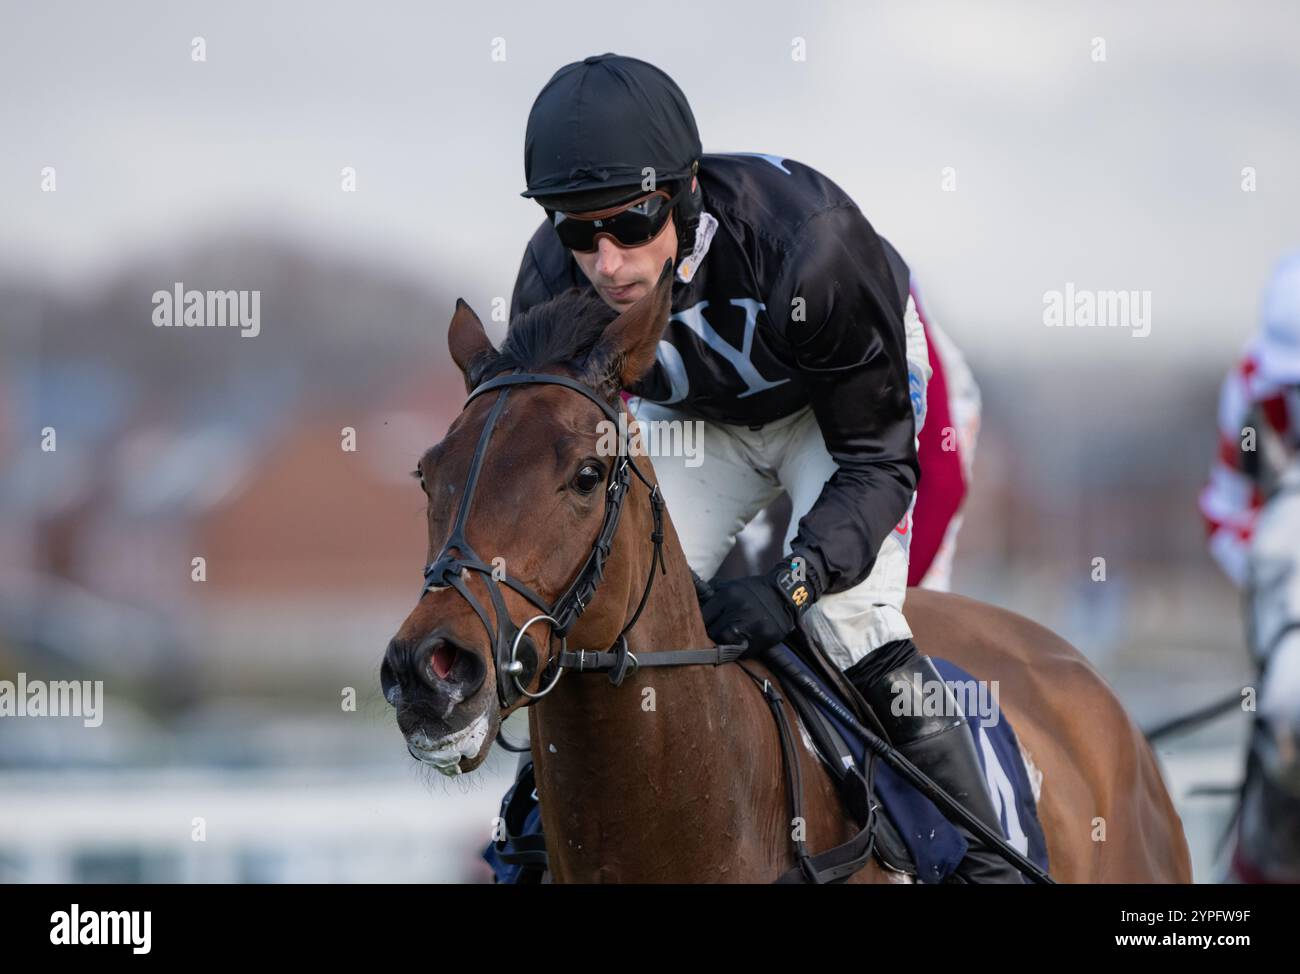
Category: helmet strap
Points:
column 687, row 216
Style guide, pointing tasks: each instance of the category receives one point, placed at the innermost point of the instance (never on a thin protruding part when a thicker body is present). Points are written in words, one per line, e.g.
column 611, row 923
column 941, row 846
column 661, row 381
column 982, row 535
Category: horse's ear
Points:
column 626, row 350
column 467, row 341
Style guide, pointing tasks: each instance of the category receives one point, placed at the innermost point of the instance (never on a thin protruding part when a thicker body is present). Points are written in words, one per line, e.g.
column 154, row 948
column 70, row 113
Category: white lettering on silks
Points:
column 738, row 358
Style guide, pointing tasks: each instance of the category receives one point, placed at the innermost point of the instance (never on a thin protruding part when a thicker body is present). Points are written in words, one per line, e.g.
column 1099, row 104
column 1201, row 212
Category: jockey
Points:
column 1259, row 424
column 796, row 343
column 1255, row 498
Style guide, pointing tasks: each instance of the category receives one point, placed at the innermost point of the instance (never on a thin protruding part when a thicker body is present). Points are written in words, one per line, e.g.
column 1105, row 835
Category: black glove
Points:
column 759, row 609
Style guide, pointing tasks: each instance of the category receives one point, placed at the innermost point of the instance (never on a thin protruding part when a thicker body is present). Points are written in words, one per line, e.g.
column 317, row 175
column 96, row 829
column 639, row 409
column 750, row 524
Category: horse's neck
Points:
column 617, row 763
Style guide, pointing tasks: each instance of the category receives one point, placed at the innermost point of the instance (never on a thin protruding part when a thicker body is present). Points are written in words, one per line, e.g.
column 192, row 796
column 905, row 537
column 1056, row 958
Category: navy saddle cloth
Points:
column 933, row 843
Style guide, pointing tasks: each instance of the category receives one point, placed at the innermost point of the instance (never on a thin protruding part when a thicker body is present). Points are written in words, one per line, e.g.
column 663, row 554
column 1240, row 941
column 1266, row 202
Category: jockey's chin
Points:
column 623, row 275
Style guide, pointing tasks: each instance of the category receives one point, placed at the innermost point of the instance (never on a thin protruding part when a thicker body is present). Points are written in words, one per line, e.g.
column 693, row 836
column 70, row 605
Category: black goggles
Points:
column 632, row 224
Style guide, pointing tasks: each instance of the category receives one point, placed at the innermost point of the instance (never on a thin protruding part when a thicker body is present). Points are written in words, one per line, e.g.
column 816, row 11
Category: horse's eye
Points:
column 588, row 478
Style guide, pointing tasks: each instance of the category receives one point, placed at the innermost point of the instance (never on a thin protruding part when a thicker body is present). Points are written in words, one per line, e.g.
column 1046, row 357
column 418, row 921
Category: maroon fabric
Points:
column 942, row 487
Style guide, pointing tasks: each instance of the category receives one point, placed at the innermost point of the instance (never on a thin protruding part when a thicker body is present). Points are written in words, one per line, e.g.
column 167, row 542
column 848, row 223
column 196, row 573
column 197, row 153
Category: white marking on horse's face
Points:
column 446, row 753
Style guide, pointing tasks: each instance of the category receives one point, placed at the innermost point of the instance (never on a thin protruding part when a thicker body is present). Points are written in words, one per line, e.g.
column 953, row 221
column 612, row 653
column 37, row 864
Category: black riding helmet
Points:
column 597, row 125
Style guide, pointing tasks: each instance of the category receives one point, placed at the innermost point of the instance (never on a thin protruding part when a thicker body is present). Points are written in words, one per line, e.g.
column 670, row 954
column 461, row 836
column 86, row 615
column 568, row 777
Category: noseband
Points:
column 516, row 669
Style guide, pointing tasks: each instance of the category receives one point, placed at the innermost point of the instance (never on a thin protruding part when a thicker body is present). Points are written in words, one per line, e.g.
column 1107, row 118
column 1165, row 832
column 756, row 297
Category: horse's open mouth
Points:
column 446, row 753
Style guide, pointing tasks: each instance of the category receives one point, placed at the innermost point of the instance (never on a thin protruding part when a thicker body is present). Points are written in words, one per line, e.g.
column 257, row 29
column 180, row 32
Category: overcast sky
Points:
column 1115, row 174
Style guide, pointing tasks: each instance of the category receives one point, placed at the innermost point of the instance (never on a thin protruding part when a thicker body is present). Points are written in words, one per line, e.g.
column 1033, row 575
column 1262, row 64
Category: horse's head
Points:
column 518, row 491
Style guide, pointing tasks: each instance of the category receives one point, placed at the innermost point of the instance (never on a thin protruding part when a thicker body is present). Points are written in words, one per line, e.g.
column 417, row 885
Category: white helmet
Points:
column 1277, row 348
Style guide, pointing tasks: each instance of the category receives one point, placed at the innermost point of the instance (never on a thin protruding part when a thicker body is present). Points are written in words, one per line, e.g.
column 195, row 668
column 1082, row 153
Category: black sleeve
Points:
column 543, row 273
column 849, row 345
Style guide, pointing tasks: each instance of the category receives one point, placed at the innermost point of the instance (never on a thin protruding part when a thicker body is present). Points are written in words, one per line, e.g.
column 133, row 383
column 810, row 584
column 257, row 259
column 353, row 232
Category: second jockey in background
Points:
column 1259, row 424
column 1252, row 511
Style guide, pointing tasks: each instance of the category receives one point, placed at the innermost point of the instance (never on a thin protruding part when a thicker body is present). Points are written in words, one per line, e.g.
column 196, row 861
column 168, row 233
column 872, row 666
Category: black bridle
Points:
column 517, row 664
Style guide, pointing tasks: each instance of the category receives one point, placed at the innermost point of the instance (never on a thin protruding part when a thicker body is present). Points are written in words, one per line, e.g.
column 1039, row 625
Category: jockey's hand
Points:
column 759, row 609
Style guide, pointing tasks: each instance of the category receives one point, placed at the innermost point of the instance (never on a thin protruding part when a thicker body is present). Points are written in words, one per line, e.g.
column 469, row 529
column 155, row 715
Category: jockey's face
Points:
column 622, row 275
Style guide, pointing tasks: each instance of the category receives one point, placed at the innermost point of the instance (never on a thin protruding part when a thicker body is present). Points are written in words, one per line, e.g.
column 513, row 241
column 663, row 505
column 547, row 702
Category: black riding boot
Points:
column 942, row 748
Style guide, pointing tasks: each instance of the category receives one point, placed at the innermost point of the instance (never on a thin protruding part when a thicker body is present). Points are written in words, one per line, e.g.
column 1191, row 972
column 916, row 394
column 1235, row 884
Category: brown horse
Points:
column 676, row 775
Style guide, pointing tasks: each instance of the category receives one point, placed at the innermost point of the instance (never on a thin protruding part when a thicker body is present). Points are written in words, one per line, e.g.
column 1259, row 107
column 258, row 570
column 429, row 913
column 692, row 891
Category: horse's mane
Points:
column 562, row 331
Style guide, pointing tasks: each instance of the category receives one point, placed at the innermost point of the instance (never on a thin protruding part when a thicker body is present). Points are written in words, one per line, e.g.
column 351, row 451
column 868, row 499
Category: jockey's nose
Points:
column 609, row 257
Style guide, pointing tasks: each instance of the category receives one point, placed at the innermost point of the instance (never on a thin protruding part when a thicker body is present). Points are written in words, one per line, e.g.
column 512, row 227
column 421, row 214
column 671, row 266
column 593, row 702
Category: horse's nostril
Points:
column 444, row 657
column 449, row 664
